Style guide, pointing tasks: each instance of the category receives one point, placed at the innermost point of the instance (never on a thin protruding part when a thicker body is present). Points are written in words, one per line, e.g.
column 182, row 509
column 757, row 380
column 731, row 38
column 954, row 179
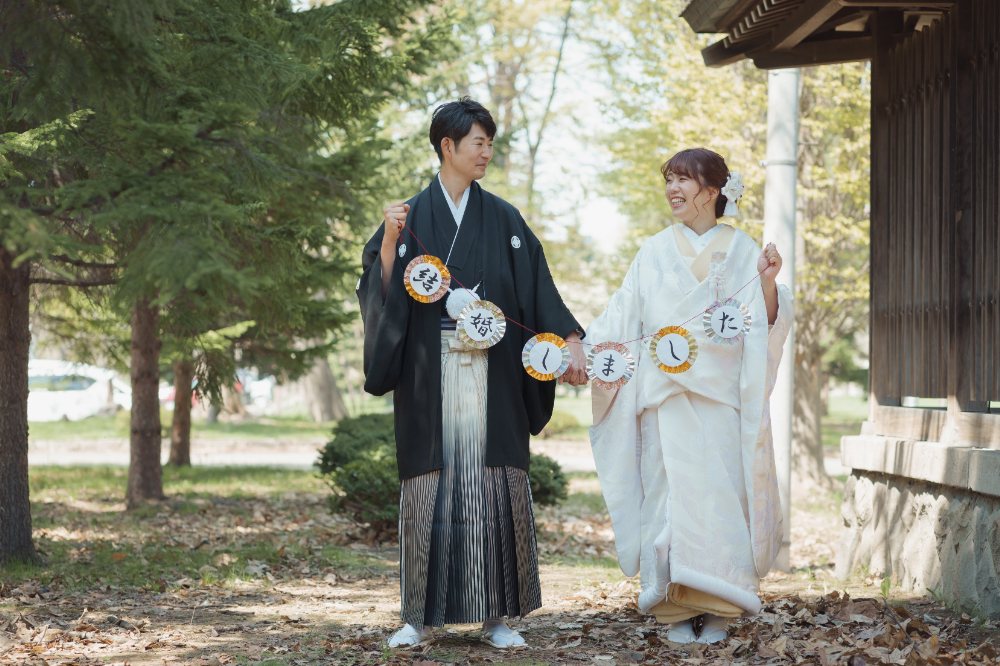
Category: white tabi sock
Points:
column 681, row 632
column 499, row 635
column 409, row 636
column 715, row 629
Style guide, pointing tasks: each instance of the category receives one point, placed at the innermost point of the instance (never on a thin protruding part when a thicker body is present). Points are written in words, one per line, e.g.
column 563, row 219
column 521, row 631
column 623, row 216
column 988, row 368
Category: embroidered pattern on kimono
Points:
column 686, row 460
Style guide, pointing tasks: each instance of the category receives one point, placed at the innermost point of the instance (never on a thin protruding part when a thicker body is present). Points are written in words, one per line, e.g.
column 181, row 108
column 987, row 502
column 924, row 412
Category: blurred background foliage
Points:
column 590, row 97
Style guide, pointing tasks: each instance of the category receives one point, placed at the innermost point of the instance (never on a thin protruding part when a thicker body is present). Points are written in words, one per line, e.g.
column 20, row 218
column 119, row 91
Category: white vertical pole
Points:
column 779, row 228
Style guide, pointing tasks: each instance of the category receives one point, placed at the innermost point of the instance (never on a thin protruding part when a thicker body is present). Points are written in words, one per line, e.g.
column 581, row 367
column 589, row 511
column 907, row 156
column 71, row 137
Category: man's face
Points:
column 471, row 155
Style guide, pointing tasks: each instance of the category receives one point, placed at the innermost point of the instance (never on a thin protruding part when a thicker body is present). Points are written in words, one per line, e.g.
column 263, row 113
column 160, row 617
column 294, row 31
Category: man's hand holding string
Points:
column 576, row 373
column 768, row 266
column 395, row 219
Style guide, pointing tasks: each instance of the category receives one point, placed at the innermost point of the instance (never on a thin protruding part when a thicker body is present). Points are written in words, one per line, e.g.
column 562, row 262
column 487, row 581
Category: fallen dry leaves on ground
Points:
column 215, row 582
column 606, row 630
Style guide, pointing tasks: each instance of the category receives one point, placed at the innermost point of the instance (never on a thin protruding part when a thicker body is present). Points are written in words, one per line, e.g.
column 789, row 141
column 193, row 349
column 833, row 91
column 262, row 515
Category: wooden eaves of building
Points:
column 922, row 503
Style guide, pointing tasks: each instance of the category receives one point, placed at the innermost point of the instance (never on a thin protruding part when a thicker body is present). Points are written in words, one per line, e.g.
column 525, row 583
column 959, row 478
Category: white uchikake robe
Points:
column 686, row 461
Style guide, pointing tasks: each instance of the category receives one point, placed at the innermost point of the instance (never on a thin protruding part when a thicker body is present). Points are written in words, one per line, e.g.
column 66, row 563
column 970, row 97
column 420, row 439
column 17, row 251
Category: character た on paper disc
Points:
column 727, row 322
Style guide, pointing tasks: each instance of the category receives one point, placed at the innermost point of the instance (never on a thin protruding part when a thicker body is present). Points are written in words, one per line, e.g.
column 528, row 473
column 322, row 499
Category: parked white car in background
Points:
column 60, row 390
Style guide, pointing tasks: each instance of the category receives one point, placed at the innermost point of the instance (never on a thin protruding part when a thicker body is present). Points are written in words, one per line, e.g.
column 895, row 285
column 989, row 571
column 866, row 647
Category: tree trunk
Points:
column 323, row 398
column 180, row 431
column 807, row 433
column 232, row 401
column 15, row 338
column 145, row 476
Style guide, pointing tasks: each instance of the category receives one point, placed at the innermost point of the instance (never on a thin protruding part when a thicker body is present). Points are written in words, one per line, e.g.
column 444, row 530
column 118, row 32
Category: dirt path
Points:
column 293, row 452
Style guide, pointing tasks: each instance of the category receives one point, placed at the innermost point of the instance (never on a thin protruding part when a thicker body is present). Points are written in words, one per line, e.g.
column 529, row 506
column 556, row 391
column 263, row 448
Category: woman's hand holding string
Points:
column 395, row 220
column 768, row 266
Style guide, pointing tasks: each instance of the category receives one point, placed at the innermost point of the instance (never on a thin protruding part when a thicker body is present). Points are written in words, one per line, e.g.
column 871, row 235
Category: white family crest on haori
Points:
column 515, row 242
column 545, row 356
column 426, row 279
column 402, row 250
column 481, row 325
column 733, row 189
column 685, row 458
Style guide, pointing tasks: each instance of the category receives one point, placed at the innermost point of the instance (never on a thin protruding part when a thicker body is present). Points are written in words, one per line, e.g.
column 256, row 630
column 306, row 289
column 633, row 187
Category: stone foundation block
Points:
column 927, row 535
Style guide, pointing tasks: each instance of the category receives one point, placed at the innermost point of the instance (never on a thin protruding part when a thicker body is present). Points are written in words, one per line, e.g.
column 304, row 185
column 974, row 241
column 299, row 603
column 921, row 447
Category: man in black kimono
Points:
column 463, row 415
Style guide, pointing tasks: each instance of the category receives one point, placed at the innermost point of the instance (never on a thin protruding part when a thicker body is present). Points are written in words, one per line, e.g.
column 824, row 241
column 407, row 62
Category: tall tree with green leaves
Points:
column 44, row 238
column 206, row 159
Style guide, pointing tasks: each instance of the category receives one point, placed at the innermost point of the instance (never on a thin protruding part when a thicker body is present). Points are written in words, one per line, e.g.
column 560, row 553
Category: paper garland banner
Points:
column 545, row 356
column 426, row 278
column 726, row 323
column 673, row 349
column 481, row 324
column 610, row 365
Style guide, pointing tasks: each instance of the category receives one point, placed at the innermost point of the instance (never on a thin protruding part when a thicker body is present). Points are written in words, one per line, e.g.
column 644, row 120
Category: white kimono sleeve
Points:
column 762, row 355
column 614, row 435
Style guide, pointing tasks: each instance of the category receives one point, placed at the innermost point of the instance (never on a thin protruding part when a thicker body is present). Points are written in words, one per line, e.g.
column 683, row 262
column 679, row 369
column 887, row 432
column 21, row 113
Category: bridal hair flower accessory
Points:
column 733, row 190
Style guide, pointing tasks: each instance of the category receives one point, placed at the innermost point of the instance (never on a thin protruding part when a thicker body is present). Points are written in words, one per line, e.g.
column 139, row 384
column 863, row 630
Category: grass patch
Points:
column 588, row 503
column 578, row 407
column 847, row 408
column 832, row 431
column 597, row 564
column 96, row 427
column 216, row 522
column 844, row 417
column 108, row 483
column 585, row 503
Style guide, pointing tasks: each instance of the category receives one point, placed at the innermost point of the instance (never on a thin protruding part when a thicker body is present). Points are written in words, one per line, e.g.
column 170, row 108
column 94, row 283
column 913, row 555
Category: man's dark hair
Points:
column 455, row 120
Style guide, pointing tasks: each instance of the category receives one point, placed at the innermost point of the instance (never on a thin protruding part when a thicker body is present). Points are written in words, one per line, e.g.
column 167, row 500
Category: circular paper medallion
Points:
column 481, row 324
column 426, row 278
column 726, row 323
column 545, row 356
column 673, row 349
column 610, row 365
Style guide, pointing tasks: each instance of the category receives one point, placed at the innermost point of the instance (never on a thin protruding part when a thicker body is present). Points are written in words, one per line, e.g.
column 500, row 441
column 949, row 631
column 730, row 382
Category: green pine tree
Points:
column 191, row 162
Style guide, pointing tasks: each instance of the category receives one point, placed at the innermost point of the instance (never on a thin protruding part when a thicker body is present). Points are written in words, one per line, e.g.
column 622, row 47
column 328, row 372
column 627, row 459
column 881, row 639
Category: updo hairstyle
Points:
column 705, row 166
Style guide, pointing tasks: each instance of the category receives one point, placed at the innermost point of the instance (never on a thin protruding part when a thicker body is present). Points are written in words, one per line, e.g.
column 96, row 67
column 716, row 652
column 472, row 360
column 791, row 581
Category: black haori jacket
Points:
column 403, row 336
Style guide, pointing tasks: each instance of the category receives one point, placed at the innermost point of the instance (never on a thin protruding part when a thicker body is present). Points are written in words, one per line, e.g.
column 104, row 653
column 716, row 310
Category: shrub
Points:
column 359, row 465
column 548, row 483
column 370, row 435
column 559, row 423
column 367, row 490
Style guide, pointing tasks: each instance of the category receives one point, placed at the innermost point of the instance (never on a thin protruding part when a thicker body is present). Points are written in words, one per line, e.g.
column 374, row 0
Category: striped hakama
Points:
column 466, row 532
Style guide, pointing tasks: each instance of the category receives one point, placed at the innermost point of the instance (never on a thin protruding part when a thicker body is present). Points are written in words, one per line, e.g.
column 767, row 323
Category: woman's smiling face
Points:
column 688, row 199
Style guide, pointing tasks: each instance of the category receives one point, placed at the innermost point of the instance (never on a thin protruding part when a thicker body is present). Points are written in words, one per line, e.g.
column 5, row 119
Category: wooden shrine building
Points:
column 923, row 502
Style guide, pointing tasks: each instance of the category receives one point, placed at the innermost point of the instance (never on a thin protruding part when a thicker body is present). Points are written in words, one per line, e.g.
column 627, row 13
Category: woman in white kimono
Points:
column 684, row 450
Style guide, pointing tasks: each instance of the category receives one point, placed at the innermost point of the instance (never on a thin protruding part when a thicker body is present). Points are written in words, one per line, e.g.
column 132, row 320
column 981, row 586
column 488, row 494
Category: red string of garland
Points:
column 426, row 251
